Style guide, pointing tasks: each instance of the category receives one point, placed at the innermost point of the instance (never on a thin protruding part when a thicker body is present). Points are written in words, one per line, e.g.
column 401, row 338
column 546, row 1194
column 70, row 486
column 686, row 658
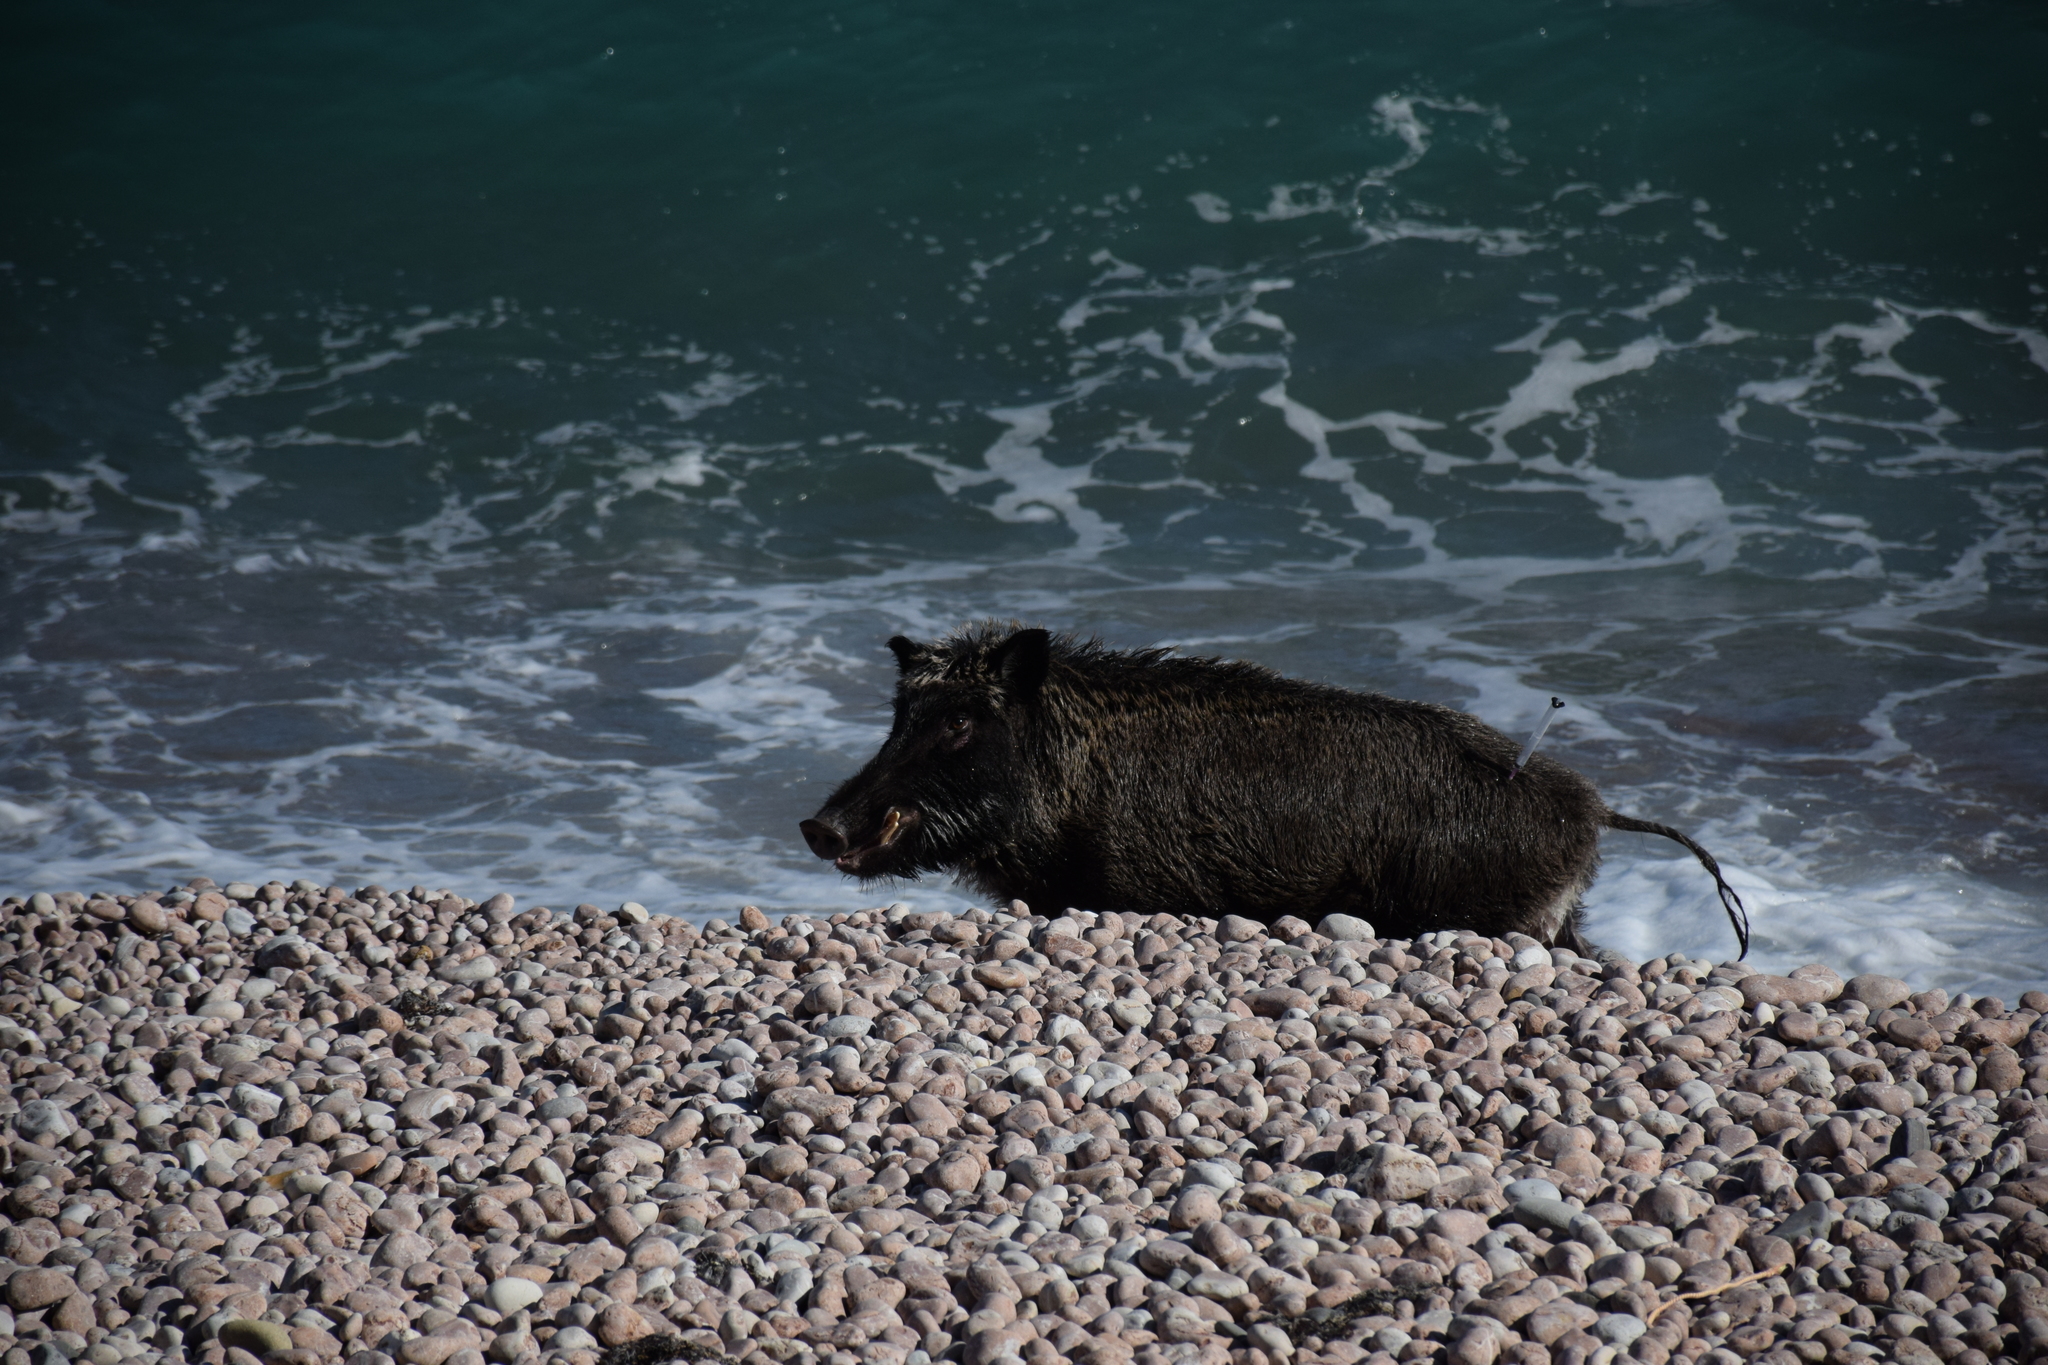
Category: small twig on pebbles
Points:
column 1675, row 1300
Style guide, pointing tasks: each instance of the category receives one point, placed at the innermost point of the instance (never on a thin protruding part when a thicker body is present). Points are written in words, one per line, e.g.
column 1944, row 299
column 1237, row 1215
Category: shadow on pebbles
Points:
column 303, row 1125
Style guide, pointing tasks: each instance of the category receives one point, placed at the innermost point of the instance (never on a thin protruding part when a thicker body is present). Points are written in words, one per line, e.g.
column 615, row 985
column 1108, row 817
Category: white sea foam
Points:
column 1552, row 388
column 1936, row 927
column 1039, row 490
column 716, row 390
column 1398, row 428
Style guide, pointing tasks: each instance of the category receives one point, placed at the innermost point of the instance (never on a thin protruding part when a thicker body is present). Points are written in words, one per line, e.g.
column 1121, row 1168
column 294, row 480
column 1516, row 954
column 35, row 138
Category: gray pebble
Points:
column 39, row 1119
column 1345, row 929
column 463, row 973
column 792, row 1284
column 1619, row 1330
column 1553, row 1215
column 1972, row 1199
column 1919, row 1200
column 1816, row 1219
column 563, row 1107
column 1519, row 1190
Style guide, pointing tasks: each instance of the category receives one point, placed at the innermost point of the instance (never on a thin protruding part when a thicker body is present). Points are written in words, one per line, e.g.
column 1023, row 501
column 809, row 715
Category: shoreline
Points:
column 304, row 1125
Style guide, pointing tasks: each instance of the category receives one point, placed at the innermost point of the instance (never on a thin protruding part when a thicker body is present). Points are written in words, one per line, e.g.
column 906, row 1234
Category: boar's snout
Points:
column 860, row 852
column 825, row 841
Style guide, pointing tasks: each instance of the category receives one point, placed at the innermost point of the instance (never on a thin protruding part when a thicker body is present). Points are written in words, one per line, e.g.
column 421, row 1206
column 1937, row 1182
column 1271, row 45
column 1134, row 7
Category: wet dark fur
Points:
column 1062, row 773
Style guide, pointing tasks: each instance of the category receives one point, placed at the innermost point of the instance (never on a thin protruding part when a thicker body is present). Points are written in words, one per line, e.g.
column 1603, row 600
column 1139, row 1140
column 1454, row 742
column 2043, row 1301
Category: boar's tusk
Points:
column 891, row 827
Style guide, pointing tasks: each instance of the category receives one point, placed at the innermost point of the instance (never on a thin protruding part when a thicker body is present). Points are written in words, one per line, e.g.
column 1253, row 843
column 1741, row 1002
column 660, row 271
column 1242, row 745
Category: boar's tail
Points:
column 1732, row 903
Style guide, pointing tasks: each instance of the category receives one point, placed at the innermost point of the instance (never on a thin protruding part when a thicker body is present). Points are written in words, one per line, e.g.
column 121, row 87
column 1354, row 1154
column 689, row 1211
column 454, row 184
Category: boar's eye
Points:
column 959, row 729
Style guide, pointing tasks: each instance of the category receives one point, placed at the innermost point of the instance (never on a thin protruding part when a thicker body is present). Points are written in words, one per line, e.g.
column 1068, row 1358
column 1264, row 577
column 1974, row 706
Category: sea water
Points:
column 487, row 446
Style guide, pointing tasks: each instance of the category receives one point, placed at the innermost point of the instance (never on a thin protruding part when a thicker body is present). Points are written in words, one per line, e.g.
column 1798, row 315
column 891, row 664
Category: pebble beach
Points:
column 302, row 1125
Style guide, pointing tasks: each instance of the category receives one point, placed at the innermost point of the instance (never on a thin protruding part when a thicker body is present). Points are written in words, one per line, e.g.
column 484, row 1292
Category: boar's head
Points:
column 950, row 783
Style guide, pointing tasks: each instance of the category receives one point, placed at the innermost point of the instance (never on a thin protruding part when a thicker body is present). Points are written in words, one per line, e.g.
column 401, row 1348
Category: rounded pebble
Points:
column 256, row 1337
column 507, row 1296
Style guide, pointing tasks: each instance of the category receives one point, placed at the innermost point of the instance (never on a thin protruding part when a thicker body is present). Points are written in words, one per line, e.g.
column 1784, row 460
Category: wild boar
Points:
column 1063, row 773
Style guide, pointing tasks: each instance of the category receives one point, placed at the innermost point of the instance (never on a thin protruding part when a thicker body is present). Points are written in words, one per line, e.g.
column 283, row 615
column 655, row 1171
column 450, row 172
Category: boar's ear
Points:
column 1022, row 661
column 908, row 652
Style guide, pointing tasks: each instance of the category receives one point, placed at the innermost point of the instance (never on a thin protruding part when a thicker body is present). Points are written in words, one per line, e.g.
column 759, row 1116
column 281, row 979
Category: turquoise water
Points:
column 487, row 447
